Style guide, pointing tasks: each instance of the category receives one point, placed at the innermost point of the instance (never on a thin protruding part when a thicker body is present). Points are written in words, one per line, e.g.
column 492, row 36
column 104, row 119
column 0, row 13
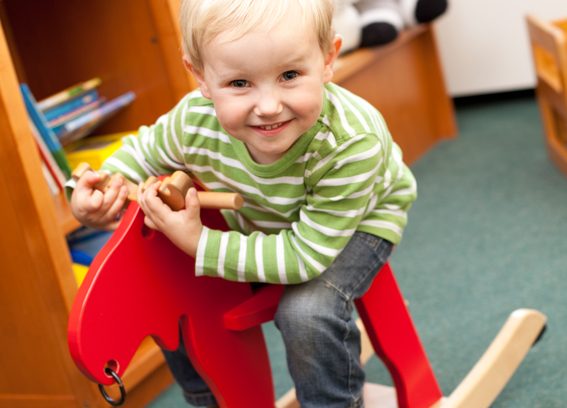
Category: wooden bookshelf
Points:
column 130, row 45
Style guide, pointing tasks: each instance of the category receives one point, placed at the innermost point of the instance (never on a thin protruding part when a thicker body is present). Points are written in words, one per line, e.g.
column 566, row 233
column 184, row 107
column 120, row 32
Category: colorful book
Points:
column 67, row 94
column 51, row 183
column 80, row 271
column 84, row 124
column 94, row 150
column 45, row 131
column 47, row 158
column 71, row 105
column 58, row 124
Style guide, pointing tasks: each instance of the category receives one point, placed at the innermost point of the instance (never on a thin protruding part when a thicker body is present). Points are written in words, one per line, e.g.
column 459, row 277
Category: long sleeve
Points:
column 339, row 188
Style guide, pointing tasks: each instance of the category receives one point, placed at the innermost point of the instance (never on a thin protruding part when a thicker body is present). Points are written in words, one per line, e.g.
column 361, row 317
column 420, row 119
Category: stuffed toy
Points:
column 347, row 22
column 368, row 23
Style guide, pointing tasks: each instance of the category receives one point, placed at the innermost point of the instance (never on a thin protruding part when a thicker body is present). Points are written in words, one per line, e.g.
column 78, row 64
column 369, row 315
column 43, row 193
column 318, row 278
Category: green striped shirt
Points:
column 343, row 175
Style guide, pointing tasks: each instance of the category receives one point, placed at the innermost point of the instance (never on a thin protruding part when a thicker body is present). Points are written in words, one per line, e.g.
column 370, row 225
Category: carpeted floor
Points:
column 487, row 235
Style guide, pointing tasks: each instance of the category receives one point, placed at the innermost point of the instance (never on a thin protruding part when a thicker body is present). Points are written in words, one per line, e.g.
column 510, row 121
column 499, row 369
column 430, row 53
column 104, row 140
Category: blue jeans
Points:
column 320, row 335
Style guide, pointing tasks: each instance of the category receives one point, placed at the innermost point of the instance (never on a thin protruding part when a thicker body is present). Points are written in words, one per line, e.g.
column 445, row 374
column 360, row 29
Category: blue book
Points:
column 58, row 124
column 67, row 94
column 45, row 131
column 84, row 124
column 70, row 105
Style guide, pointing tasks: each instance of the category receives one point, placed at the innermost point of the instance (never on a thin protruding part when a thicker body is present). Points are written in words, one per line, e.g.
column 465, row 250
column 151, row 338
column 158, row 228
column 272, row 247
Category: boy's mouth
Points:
column 272, row 128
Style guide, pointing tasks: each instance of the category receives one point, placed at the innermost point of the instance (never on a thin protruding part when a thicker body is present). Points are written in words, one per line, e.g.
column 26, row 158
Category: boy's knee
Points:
column 296, row 307
column 305, row 312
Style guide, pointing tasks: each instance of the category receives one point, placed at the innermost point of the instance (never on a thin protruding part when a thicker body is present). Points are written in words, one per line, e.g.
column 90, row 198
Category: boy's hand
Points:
column 182, row 227
column 94, row 208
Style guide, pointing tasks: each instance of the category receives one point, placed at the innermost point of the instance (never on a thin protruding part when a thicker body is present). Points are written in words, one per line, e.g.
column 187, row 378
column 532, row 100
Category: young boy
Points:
column 326, row 192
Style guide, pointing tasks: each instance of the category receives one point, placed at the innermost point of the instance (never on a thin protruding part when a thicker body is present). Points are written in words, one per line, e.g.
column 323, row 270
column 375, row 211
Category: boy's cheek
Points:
column 230, row 114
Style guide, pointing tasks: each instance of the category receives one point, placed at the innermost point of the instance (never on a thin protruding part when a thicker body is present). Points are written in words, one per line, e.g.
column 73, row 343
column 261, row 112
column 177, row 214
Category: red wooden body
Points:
column 141, row 285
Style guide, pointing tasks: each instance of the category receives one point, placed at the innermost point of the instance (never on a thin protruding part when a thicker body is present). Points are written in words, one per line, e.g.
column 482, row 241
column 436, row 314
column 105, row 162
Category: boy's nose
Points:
column 268, row 104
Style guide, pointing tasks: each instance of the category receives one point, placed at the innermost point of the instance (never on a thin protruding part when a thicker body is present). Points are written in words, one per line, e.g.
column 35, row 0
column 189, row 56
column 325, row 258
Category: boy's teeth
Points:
column 270, row 127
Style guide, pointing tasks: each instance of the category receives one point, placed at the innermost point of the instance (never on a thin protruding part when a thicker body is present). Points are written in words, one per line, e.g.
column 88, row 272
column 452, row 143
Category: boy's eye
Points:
column 289, row 75
column 239, row 83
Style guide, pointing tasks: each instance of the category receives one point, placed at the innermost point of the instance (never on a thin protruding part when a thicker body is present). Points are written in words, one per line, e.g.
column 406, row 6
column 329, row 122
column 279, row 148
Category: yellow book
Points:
column 80, row 271
column 94, row 149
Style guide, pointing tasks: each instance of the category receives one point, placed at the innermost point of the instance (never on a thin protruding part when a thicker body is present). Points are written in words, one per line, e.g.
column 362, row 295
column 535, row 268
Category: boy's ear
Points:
column 331, row 57
column 198, row 76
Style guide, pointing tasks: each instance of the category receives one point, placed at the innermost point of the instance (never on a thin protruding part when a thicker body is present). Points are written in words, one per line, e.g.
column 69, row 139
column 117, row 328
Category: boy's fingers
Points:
column 118, row 203
column 88, row 180
column 146, row 189
column 149, row 223
column 152, row 205
column 95, row 200
column 112, row 194
column 192, row 205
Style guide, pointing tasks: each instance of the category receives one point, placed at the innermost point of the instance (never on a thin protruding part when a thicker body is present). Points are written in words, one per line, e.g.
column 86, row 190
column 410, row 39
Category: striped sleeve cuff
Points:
column 200, row 255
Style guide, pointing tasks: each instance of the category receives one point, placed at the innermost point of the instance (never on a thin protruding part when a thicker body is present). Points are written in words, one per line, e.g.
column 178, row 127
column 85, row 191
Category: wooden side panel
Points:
column 38, row 286
column 37, row 282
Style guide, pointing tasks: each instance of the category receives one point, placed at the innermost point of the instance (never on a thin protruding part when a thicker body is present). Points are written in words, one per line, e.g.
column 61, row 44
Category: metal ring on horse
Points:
column 118, row 381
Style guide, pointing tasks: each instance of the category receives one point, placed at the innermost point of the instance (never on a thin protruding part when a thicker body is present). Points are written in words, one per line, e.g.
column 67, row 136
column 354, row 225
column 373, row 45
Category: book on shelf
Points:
column 94, row 150
column 75, row 112
column 54, row 188
column 84, row 124
column 51, row 141
column 58, row 113
column 48, row 161
column 67, row 94
column 67, row 116
column 79, row 271
column 58, row 124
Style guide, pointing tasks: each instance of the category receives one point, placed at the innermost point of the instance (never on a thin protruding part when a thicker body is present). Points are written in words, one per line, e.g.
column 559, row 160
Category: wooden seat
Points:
column 549, row 49
column 141, row 285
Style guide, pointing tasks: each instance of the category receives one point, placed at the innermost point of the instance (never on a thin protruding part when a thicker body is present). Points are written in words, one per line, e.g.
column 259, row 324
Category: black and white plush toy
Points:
column 367, row 23
column 348, row 24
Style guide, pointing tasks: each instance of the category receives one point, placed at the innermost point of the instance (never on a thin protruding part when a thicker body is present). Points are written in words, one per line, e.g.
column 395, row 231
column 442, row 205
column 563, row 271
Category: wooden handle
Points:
column 212, row 199
column 172, row 190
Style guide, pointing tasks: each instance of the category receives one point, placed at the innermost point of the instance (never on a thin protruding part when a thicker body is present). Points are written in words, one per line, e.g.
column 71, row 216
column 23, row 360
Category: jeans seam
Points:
column 345, row 345
column 332, row 285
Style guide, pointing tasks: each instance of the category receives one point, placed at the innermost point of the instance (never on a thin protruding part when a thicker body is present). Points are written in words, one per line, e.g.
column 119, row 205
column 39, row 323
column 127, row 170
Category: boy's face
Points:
column 267, row 87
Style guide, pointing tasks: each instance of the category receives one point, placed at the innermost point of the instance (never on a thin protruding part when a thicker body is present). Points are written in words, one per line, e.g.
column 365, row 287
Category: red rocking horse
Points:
column 141, row 285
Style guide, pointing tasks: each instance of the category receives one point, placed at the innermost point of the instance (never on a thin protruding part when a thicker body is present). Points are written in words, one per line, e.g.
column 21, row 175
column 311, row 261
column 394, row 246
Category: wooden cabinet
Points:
column 130, row 45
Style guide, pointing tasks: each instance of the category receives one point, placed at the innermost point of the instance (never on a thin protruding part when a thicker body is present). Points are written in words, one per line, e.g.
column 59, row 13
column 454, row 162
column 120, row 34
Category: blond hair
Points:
column 203, row 20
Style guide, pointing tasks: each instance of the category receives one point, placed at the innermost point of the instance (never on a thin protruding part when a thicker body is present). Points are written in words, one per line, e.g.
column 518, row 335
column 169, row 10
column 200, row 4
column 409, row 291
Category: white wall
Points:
column 484, row 44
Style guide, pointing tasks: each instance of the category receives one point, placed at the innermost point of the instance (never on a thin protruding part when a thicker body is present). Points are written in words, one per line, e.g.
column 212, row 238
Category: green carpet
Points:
column 487, row 235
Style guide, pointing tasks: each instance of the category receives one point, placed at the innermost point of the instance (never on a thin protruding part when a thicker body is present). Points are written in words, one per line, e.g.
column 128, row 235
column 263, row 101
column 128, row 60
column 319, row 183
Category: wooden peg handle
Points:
column 172, row 190
column 219, row 201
